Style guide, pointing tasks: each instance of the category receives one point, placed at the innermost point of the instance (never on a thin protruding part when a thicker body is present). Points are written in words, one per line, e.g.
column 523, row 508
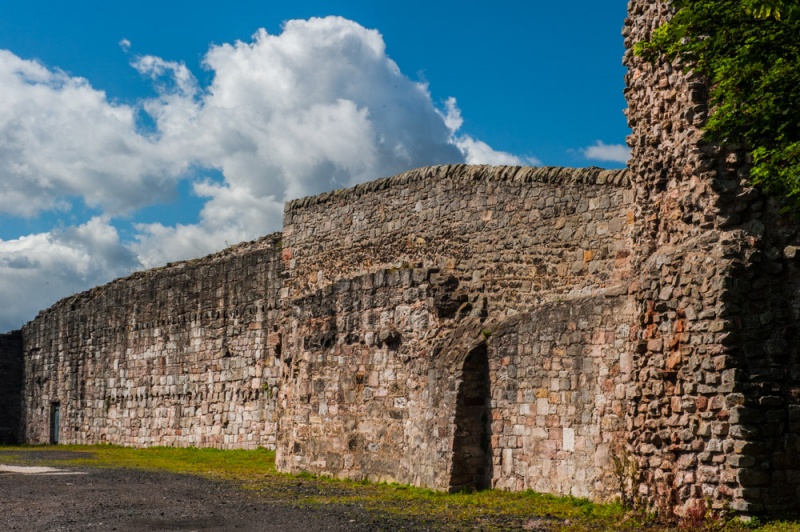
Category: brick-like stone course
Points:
column 560, row 377
column 360, row 398
column 382, row 382
column 182, row 355
column 10, row 386
column 373, row 390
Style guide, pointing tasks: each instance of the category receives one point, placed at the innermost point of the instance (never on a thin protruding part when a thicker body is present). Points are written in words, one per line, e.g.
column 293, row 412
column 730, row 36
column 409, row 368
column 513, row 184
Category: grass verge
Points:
column 485, row 510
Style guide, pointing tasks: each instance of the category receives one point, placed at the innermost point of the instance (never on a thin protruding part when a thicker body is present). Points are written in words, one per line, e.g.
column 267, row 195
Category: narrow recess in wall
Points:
column 55, row 421
column 472, row 439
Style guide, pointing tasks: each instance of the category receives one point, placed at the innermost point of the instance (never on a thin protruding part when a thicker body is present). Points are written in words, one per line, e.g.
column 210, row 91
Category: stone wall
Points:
column 716, row 416
column 523, row 235
column 10, row 386
column 391, row 289
column 182, row 355
column 400, row 392
column 560, row 382
column 470, row 326
column 363, row 396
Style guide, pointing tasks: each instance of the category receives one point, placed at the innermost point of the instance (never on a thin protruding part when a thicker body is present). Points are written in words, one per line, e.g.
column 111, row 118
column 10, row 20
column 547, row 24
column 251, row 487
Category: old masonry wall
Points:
column 717, row 411
column 451, row 327
column 465, row 327
column 393, row 291
column 182, row 355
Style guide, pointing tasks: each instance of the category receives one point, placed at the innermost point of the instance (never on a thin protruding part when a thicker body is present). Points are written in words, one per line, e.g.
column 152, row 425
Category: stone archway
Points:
column 471, row 466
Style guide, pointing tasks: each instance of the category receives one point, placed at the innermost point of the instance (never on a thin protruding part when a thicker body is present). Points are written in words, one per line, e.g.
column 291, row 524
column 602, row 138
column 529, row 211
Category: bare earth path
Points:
column 78, row 499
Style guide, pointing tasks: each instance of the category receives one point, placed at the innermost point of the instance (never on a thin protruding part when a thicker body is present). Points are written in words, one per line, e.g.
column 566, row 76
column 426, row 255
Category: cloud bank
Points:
column 60, row 139
column 317, row 107
column 36, row 270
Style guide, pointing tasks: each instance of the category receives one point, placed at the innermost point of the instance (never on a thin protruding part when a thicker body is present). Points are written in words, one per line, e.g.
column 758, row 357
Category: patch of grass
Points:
column 780, row 526
column 215, row 463
column 486, row 510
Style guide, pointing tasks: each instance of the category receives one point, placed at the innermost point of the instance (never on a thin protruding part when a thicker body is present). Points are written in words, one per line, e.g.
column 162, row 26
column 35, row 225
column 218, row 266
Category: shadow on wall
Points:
column 472, row 453
column 10, row 387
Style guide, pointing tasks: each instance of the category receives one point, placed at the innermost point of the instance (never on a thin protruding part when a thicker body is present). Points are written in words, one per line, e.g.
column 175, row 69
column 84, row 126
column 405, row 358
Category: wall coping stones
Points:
column 464, row 172
column 271, row 240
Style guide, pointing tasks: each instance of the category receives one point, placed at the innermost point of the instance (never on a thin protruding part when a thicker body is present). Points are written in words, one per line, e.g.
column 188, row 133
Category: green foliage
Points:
column 770, row 8
column 750, row 51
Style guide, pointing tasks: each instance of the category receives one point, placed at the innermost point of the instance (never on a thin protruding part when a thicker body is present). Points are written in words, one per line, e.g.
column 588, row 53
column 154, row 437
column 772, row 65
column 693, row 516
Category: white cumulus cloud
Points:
column 61, row 139
column 618, row 153
column 319, row 106
column 38, row 269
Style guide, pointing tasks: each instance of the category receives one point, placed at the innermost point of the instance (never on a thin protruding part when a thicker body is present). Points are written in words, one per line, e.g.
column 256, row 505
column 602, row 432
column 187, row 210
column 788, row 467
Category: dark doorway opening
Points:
column 55, row 422
column 472, row 439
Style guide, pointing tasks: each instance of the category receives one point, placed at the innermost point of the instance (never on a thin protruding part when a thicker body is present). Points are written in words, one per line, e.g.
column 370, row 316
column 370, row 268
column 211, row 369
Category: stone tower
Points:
column 716, row 413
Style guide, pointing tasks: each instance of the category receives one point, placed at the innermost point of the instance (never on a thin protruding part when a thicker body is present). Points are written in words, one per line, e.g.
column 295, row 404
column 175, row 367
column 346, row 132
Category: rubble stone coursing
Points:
column 716, row 411
column 470, row 326
column 378, row 358
column 181, row 355
column 522, row 234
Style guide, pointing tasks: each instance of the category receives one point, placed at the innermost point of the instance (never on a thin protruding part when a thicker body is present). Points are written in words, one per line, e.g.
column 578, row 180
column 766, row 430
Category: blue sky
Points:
column 136, row 133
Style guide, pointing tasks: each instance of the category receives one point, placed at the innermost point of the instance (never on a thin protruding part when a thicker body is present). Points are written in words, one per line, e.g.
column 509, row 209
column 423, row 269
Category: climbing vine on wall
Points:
column 750, row 51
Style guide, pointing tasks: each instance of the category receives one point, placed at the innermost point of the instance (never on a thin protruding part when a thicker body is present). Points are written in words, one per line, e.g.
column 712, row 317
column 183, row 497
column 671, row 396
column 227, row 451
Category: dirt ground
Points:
column 78, row 499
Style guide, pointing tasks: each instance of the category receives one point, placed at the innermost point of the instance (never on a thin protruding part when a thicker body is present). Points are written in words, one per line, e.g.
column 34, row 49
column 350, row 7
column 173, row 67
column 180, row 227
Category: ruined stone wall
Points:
column 716, row 416
column 10, row 386
column 523, row 235
column 362, row 398
column 391, row 291
column 398, row 392
column 560, row 380
column 182, row 355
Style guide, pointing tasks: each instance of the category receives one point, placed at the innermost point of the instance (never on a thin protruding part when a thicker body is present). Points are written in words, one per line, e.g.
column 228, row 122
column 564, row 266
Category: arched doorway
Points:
column 472, row 452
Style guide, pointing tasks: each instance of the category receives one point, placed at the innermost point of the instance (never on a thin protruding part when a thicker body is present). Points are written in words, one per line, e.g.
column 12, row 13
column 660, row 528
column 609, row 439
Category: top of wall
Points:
column 523, row 234
column 465, row 172
column 271, row 241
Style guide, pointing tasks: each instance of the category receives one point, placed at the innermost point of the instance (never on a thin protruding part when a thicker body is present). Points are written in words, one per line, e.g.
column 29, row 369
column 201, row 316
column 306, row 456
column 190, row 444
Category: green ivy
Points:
column 750, row 51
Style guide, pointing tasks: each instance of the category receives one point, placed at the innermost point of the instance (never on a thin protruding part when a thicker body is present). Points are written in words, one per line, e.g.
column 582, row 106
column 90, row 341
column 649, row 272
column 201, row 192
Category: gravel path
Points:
column 131, row 500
